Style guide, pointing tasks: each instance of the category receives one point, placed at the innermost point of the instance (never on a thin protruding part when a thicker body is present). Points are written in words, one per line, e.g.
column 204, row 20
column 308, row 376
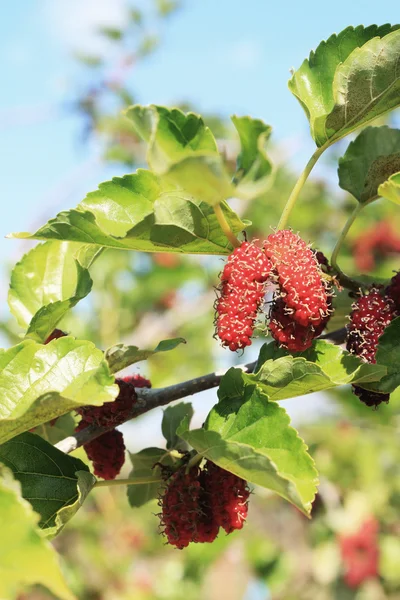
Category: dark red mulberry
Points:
column 299, row 277
column 55, row 335
column 112, row 413
column 107, row 453
column 286, row 331
column 360, row 554
column 185, row 515
column 242, row 292
column 393, row 290
column 370, row 398
column 137, row 381
column 228, row 497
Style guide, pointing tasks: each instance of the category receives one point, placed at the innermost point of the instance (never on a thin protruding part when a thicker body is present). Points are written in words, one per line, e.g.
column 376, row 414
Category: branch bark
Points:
column 149, row 399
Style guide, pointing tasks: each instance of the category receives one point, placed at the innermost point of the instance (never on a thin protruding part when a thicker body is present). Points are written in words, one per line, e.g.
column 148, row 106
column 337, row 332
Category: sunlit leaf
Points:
column 252, row 437
column 390, row 189
column 369, row 161
column 39, row 383
column 26, row 558
column 140, row 212
column 349, row 80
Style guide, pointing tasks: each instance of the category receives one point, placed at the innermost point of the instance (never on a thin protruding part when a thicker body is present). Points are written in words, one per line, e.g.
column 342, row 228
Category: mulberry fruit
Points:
column 393, row 290
column 360, row 554
column 228, row 497
column 112, row 413
column 370, row 316
column 242, row 292
column 299, row 277
column 137, row 381
column 374, row 244
column 185, row 514
column 107, row 453
column 285, row 331
column 55, row 334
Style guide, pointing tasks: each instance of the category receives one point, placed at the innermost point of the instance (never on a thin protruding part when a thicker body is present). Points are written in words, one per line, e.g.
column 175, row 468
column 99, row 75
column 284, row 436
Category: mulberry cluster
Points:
column 302, row 302
column 360, row 554
column 370, row 316
column 107, row 452
column 241, row 295
column 377, row 242
column 196, row 504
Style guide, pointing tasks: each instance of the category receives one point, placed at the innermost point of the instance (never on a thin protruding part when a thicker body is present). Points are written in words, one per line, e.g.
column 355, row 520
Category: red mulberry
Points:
column 241, row 295
column 369, row 318
column 107, row 453
column 112, row 413
column 137, row 381
column 286, row 331
column 299, row 277
column 228, row 497
column 185, row 515
column 360, row 554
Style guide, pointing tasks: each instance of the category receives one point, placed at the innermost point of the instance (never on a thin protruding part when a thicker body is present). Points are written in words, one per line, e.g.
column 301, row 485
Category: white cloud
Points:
column 75, row 23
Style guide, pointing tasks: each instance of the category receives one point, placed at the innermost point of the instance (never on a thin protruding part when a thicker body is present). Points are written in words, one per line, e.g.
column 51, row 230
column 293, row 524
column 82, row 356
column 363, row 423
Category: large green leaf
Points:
column 252, row 437
column 254, row 169
column 369, row 161
column 182, row 149
column 25, row 557
column 39, row 383
column 55, row 483
column 390, row 189
column 146, row 478
column 45, row 284
column 349, row 80
column 121, row 356
column 140, row 212
column 282, row 375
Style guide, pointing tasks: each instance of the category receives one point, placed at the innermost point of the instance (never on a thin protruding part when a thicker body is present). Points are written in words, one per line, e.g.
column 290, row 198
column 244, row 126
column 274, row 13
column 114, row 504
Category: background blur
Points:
column 68, row 68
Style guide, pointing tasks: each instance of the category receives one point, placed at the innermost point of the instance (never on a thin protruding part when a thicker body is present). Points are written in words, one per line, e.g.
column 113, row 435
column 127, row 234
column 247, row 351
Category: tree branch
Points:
column 152, row 398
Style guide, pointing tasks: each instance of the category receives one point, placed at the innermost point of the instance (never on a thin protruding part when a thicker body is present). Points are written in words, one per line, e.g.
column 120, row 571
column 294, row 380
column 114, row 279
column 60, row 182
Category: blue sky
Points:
column 225, row 56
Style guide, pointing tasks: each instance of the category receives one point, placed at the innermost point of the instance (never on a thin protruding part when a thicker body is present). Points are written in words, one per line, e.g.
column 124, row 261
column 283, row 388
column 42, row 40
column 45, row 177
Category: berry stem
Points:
column 142, row 481
column 225, row 226
column 299, row 186
column 344, row 279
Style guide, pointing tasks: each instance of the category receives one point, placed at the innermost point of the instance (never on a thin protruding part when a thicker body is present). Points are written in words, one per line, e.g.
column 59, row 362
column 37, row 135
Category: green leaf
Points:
column 25, row 557
column 120, row 356
column 252, row 438
column 139, row 212
column 39, row 383
column 253, row 169
column 281, row 375
column 349, row 80
column 182, row 149
column 55, row 483
column 390, row 189
column 172, row 418
column 144, row 469
column 388, row 356
column 45, row 284
column 369, row 161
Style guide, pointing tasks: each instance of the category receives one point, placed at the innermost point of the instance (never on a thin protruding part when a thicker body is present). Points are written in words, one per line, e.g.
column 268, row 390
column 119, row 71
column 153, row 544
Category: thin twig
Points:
column 147, row 399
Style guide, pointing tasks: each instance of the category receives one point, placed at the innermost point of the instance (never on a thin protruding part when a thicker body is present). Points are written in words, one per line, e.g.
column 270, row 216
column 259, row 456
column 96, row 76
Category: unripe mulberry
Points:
column 370, row 316
column 242, row 292
column 228, row 496
column 107, row 453
column 185, row 514
column 299, row 277
column 112, row 413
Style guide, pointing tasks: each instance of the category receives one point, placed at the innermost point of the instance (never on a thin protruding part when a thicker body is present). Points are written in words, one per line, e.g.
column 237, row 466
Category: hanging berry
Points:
column 241, row 295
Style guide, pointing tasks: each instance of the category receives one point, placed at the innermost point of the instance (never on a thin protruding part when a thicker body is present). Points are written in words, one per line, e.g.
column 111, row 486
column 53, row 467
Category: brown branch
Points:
column 149, row 399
